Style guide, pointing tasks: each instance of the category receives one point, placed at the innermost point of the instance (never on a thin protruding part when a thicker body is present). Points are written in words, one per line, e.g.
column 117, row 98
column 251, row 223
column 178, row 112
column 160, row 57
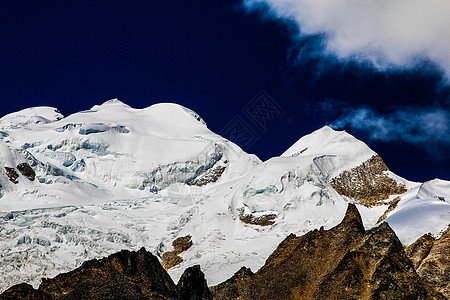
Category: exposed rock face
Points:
column 12, row 175
column 123, row 275
column 24, row 291
column 264, row 220
column 367, row 183
column 233, row 287
column 431, row 258
column 209, row 176
column 192, row 285
column 345, row 262
column 26, row 170
column 181, row 244
column 171, row 258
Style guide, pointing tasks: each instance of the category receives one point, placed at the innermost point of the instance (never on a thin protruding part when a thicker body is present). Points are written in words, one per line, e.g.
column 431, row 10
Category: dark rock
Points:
column 26, row 171
column 123, row 275
column 431, row 258
column 345, row 262
column 12, row 175
column 264, row 220
column 24, row 291
column 192, row 285
column 233, row 287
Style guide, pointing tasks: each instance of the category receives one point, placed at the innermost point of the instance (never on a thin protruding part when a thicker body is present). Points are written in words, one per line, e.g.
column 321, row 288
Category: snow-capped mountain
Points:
column 114, row 177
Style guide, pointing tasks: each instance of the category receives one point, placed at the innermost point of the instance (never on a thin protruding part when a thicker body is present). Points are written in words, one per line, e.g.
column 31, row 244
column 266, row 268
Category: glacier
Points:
column 114, row 177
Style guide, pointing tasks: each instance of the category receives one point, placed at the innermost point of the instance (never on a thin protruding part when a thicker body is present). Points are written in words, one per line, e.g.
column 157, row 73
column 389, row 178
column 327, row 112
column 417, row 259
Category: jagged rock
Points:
column 192, row 285
column 26, row 171
column 345, row 262
column 431, row 258
column 232, row 288
column 24, row 291
column 264, row 220
column 367, row 183
column 123, row 275
column 12, row 175
column 171, row 258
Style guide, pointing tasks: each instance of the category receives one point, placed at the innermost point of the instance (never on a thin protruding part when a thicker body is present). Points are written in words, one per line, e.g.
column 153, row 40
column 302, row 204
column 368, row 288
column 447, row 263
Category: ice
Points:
column 115, row 177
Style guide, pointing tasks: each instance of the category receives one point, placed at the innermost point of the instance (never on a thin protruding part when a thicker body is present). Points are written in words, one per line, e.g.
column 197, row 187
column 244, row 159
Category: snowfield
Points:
column 115, row 177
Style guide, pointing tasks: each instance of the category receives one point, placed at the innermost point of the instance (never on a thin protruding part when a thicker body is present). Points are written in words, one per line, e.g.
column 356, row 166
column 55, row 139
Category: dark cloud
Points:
column 385, row 34
column 424, row 127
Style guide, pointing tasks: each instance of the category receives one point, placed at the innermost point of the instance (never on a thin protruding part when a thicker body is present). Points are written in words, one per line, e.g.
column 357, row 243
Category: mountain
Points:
column 431, row 258
column 93, row 183
column 345, row 262
column 122, row 275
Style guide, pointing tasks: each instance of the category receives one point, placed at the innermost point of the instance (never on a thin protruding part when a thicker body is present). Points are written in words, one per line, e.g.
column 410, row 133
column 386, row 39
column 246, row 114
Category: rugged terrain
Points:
column 344, row 262
column 113, row 177
column 431, row 258
column 123, row 275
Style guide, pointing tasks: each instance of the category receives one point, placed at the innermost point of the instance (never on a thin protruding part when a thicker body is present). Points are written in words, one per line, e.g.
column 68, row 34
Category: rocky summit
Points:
column 345, row 262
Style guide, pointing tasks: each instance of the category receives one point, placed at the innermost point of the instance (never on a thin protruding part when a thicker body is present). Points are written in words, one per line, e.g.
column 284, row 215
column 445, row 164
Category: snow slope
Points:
column 115, row 177
column 109, row 152
column 423, row 209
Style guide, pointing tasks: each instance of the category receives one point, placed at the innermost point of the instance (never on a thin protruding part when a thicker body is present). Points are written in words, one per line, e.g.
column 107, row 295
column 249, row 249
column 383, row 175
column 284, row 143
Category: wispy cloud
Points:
column 425, row 127
column 384, row 33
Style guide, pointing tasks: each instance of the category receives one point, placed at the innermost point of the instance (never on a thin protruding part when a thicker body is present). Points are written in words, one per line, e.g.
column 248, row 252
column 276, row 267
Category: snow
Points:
column 327, row 141
column 421, row 211
column 115, row 177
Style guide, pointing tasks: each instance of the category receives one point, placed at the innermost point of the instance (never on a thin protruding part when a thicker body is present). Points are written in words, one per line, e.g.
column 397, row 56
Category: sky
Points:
column 260, row 72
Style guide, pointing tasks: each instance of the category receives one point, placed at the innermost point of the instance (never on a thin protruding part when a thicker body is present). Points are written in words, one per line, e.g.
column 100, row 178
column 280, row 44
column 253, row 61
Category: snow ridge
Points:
column 116, row 177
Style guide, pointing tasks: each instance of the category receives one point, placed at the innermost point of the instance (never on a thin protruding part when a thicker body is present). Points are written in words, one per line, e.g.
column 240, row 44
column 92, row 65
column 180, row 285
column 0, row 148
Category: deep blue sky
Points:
column 210, row 56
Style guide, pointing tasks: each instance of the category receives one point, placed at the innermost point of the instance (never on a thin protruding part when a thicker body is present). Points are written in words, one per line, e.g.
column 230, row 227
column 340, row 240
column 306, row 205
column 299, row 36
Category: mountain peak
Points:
column 112, row 102
column 325, row 139
column 30, row 117
column 352, row 218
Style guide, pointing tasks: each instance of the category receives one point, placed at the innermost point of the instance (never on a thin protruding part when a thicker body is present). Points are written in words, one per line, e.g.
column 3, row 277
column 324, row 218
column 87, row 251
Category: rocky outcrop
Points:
column 26, row 170
column 345, row 262
column 367, row 183
column 233, row 287
column 431, row 258
column 171, row 258
column 12, row 175
column 123, row 275
column 192, row 285
column 24, row 291
column 209, row 176
column 264, row 220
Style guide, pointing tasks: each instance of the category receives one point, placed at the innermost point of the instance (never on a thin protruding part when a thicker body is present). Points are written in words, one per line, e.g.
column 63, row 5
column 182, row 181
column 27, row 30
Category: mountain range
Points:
column 88, row 185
